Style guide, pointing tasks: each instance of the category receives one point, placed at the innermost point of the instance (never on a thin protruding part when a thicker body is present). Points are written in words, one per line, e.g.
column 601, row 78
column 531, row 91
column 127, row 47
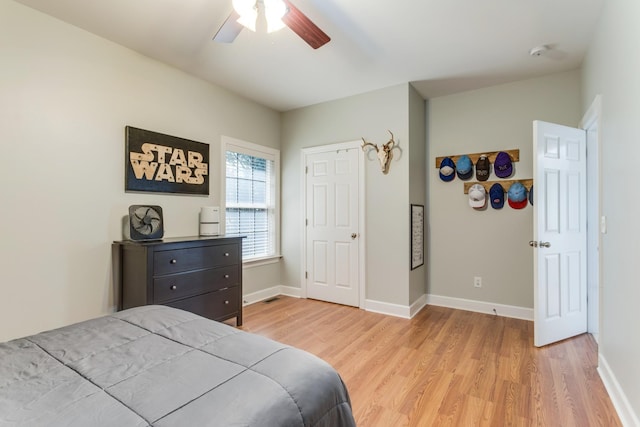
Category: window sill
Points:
column 256, row 262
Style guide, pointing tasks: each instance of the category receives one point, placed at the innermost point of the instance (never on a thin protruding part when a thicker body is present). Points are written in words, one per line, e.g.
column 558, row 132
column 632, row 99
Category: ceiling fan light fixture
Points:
column 274, row 25
column 248, row 13
column 274, row 10
column 249, row 21
column 244, row 7
column 277, row 12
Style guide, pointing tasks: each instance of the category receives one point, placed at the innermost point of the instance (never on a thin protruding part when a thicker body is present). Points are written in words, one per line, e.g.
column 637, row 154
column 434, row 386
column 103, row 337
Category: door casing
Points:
column 361, row 217
column 591, row 123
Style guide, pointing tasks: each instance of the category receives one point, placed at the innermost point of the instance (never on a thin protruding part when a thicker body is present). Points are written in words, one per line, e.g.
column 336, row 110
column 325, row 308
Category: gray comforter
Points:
column 160, row 366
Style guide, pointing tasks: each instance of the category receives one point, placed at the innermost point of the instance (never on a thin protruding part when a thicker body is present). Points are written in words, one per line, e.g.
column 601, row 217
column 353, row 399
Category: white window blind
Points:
column 250, row 194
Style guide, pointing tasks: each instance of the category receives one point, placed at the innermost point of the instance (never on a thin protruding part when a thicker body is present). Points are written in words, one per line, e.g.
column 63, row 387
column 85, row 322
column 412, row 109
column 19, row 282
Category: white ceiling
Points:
column 441, row 46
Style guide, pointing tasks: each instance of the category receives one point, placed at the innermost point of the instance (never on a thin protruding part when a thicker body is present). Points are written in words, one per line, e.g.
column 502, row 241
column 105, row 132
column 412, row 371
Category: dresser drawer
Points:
column 217, row 305
column 175, row 286
column 179, row 260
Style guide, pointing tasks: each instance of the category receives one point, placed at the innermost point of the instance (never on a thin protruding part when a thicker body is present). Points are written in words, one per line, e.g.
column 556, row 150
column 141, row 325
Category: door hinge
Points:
column 306, row 275
column 306, row 222
column 306, row 169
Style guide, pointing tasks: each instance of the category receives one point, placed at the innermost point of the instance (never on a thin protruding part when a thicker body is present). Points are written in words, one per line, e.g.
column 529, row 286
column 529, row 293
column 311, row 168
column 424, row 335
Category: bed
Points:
column 160, row 366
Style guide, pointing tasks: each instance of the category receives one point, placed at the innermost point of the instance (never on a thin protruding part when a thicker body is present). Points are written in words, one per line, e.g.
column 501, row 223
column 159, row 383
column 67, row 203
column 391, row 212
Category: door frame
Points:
column 592, row 121
column 305, row 152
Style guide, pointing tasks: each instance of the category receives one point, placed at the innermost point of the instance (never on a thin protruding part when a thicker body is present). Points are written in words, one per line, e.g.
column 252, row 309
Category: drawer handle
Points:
column 226, row 276
column 173, row 261
column 226, row 254
column 226, row 302
column 173, row 287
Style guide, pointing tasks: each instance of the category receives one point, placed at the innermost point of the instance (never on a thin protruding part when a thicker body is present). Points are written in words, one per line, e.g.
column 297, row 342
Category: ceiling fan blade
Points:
column 304, row 27
column 229, row 30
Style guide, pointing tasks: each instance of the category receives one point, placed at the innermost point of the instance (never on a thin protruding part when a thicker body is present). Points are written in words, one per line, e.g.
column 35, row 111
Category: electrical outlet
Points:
column 477, row 282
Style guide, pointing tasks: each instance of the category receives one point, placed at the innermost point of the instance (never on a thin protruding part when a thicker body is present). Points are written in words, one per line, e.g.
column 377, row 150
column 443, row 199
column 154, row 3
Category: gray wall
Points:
column 491, row 243
column 387, row 196
column 417, row 182
column 66, row 98
column 612, row 69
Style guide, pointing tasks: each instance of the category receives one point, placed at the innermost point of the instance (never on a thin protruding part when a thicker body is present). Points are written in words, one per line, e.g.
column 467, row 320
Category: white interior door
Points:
column 560, row 231
column 332, row 225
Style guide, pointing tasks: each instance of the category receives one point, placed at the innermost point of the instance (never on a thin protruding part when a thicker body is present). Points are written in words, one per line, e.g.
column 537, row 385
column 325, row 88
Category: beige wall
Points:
column 611, row 69
column 387, row 196
column 491, row 244
column 66, row 98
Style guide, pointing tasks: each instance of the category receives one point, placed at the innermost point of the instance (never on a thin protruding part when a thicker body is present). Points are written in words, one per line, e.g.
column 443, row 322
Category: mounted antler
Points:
column 384, row 153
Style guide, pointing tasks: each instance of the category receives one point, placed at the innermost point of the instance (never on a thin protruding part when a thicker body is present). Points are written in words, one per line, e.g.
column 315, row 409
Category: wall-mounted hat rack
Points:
column 514, row 154
column 506, row 183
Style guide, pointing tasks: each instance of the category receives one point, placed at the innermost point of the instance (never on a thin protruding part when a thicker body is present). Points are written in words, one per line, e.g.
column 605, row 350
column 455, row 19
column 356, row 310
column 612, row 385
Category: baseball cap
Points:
column 496, row 195
column 517, row 195
column 447, row 169
column 464, row 167
column 477, row 196
column 483, row 168
column 531, row 195
column 502, row 166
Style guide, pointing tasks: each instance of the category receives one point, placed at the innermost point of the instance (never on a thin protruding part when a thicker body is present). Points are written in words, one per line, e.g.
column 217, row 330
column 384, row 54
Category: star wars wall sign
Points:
column 165, row 164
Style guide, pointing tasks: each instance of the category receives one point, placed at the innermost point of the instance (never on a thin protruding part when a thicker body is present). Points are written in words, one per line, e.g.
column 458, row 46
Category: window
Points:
column 251, row 203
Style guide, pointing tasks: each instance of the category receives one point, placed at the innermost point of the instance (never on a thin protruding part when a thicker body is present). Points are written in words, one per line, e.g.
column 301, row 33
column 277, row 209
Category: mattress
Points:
column 160, row 366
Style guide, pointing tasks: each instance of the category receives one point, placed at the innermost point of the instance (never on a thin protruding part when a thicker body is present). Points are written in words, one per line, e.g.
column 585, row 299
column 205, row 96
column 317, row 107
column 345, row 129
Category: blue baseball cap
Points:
column 531, row 195
column 464, row 167
column 517, row 195
column 447, row 169
column 496, row 195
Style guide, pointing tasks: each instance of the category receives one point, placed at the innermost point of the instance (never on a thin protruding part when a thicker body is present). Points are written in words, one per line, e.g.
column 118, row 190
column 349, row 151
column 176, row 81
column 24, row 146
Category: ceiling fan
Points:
column 291, row 17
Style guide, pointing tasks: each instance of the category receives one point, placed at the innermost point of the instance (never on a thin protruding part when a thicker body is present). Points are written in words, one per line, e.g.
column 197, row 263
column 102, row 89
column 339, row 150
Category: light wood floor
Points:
column 444, row 367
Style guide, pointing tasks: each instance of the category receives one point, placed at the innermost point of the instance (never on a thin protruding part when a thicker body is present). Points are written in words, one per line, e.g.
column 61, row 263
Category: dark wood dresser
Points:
column 198, row 274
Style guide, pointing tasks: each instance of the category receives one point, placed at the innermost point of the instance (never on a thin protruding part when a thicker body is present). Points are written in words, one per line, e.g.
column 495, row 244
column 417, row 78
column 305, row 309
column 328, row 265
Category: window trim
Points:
column 256, row 150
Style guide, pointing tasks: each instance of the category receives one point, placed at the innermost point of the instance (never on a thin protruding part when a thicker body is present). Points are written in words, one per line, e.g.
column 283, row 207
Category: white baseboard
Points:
column 418, row 305
column 406, row 312
column 396, row 310
column 290, row 291
column 619, row 399
column 265, row 294
column 481, row 307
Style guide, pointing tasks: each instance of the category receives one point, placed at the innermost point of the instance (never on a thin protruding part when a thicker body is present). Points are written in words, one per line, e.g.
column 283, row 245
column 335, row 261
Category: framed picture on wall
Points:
column 417, row 236
column 162, row 163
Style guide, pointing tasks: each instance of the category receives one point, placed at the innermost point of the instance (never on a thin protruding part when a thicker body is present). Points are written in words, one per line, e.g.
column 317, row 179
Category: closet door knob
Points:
column 173, row 287
column 173, row 261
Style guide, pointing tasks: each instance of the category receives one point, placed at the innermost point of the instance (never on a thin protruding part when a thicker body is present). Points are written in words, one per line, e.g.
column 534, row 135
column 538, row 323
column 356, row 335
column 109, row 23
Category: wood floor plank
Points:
column 444, row 367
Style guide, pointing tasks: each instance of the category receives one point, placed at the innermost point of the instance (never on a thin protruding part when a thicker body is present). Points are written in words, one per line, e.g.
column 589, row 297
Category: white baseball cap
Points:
column 477, row 196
